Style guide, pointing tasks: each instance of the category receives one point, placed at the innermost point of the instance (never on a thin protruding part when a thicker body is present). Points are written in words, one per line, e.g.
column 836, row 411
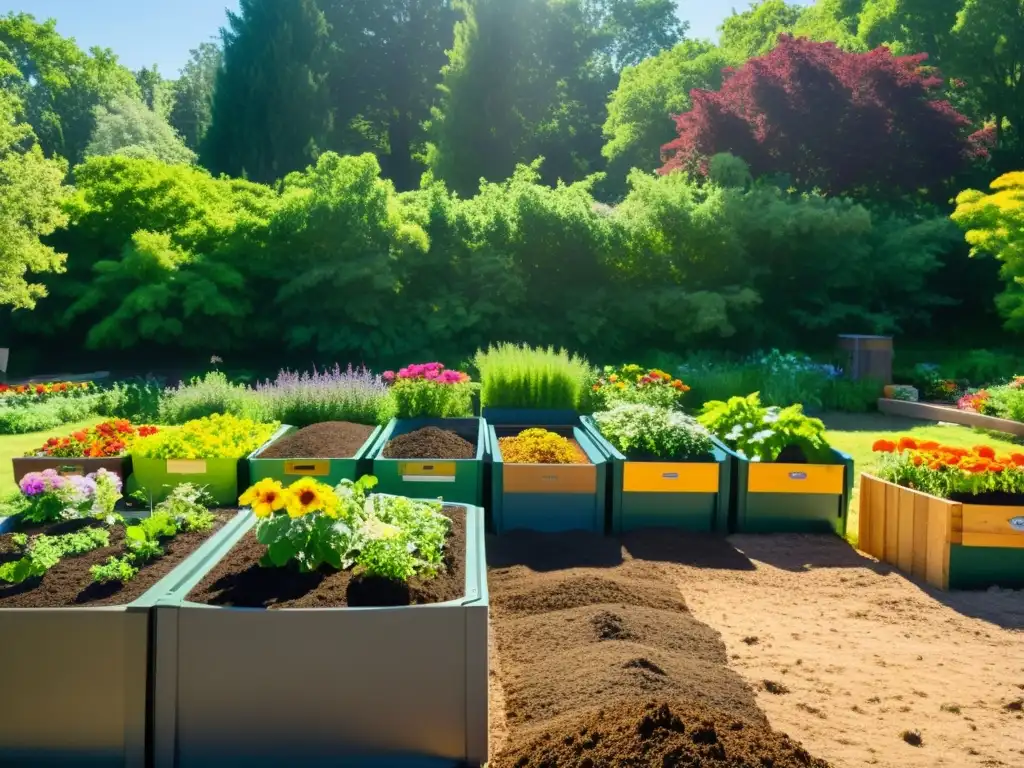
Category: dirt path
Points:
column 848, row 655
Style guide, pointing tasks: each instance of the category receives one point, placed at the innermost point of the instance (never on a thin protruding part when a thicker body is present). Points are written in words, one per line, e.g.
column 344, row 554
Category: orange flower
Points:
column 907, row 443
column 996, row 467
column 985, row 451
column 918, row 460
column 951, row 459
column 884, row 446
column 928, row 445
column 935, row 465
column 1017, row 459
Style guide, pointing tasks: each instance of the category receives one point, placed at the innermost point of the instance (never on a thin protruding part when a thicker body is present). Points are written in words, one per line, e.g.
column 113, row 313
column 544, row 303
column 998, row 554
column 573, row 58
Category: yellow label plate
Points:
column 438, row 469
column 307, row 468
column 186, row 466
column 796, row 478
column 640, row 477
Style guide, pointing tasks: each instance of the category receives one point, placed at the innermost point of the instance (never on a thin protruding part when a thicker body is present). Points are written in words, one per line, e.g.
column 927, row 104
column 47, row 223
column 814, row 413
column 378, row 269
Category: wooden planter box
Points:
column 453, row 480
column 548, row 497
column 329, row 686
column 84, row 700
column 949, row 413
column 329, row 471
column 692, row 496
column 120, row 466
column 948, row 544
column 791, row 498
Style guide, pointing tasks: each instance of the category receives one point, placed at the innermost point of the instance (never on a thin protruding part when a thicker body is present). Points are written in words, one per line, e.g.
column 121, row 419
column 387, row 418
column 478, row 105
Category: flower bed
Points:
column 331, row 452
column 560, row 488
column 428, row 390
column 21, row 393
column 633, row 384
column 433, row 457
column 949, row 515
column 104, row 446
column 205, row 452
column 334, row 550
column 787, row 477
column 666, row 471
column 56, row 585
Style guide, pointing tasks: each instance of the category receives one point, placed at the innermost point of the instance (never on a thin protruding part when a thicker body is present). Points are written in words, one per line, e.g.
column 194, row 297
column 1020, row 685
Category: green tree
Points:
column 128, row 127
column 192, row 98
column 836, row 21
column 270, row 112
column 756, row 31
column 31, row 192
column 59, row 84
column 640, row 110
column 157, row 93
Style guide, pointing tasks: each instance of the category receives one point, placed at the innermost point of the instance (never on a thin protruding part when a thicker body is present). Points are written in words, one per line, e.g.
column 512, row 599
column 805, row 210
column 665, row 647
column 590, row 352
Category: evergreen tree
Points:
column 192, row 107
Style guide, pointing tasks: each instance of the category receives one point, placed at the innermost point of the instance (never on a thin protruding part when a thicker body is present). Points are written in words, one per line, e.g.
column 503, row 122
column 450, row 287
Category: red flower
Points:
column 985, row 451
column 907, row 443
column 40, row 389
column 884, row 446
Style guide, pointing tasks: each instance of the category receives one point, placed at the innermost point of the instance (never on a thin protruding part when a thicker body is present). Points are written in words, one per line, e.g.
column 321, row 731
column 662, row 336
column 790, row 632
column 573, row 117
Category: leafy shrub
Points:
column 135, row 400
column 760, row 433
column 353, row 394
column 22, row 419
column 214, row 437
column 205, row 397
column 1005, row 401
column 518, row 376
column 381, row 536
column 851, row 396
column 428, row 390
column 646, row 431
column 538, row 446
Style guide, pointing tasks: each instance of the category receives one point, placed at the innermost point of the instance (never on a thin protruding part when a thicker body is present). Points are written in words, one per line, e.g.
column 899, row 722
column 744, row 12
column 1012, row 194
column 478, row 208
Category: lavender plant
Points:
column 302, row 399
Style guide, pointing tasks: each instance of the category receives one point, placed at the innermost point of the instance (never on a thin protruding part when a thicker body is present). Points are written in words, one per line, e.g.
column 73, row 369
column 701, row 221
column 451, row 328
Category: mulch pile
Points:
column 69, row 583
column 239, row 581
column 601, row 663
column 430, row 443
column 329, row 440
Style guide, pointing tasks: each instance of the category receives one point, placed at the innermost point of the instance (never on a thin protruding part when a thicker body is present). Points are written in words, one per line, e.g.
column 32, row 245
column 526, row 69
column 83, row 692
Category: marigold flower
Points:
column 918, row 461
column 985, row 451
column 884, row 446
column 906, row 443
column 928, row 445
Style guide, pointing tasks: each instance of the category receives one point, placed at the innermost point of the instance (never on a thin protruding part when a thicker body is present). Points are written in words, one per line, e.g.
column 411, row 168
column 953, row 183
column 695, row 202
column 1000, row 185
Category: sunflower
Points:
column 307, row 496
column 265, row 498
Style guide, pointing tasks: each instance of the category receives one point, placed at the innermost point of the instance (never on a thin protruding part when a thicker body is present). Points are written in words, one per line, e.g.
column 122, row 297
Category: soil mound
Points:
column 329, row 440
column 537, row 593
column 658, row 732
column 430, row 443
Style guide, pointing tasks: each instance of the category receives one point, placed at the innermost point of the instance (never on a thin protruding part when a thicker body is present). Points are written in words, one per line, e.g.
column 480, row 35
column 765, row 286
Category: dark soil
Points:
column 329, row 440
column 659, row 732
column 238, row 580
column 430, row 443
column 995, row 499
column 69, row 583
column 792, row 454
column 584, row 652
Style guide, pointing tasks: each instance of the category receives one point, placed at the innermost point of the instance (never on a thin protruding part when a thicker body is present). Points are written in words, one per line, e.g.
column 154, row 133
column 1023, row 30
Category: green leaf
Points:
column 281, row 552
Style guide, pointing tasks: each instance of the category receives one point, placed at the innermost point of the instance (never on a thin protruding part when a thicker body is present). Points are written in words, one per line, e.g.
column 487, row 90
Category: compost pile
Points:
column 430, row 443
column 329, row 440
column 601, row 663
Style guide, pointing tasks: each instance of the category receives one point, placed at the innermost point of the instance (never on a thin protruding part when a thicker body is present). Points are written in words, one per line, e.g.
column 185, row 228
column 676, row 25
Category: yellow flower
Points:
column 307, row 496
column 265, row 498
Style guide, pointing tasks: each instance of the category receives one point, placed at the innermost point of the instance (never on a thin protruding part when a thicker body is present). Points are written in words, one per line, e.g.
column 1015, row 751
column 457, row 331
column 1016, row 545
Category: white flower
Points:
column 756, row 458
column 761, row 436
column 748, row 425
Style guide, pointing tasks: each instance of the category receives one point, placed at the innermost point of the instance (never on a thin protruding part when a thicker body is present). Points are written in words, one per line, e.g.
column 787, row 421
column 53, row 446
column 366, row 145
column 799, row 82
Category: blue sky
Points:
column 145, row 32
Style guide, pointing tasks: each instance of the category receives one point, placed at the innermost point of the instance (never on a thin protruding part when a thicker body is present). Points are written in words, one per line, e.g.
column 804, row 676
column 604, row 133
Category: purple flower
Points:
column 37, row 483
column 108, row 476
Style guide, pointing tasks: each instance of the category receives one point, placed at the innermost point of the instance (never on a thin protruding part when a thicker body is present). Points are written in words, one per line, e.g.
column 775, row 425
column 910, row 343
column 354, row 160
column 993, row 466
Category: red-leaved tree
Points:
column 841, row 122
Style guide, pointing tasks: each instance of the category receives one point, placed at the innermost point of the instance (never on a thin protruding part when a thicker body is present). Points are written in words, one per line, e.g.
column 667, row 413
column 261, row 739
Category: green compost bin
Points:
column 774, row 497
column 220, row 477
column 329, row 471
column 453, row 480
column 691, row 495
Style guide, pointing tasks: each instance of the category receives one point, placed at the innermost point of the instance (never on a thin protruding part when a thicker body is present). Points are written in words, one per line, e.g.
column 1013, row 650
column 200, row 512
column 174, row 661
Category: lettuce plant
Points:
column 761, row 434
column 44, row 552
column 639, row 430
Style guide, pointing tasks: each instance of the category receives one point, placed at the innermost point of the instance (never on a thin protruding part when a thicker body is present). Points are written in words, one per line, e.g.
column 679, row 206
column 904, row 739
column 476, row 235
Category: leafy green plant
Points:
column 38, row 417
column 760, row 433
column 212, row 394
column 135, row 400
column 519, row 376
column 44, row 552
column 646, row 431
column 849, row 396
column 428, row 390
column 115, row 569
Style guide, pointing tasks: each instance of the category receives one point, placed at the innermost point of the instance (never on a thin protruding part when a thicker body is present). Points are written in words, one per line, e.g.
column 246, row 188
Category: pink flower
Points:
column 388, row 376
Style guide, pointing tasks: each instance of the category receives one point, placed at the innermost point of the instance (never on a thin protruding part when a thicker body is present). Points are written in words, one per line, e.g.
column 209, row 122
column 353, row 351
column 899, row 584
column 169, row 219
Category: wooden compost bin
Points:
column 84, row 701
column 454, row 480
column 402, row 686
column 692, row 496
column 948, row 544
column 548, row 497
column 791, row 498
column 119, row 465
column 329, row 471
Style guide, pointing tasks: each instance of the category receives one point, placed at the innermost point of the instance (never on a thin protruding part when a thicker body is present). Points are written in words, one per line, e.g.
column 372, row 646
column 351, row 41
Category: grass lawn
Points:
column 855, row 434
column 12, row 446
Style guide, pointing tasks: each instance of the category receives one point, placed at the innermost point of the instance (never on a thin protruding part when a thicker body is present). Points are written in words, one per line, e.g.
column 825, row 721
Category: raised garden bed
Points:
column 949, row 544
column 316, row 682
column 23, row 465
column 652, row 493
column 432, row 457
column 83, row 649
column 548, row 497
column 949, row 413
column 330, row 452
column 784, row 497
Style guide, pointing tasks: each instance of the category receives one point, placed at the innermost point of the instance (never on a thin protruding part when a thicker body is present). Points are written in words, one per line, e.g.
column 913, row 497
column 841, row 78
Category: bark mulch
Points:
column 329, row 440
column 430, row 443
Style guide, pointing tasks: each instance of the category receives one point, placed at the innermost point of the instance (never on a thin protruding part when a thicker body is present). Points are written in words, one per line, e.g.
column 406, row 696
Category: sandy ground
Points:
column 848, row 655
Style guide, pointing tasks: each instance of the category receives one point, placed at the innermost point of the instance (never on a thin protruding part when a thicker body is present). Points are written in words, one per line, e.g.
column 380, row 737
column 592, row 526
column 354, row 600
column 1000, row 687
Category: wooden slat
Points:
column 892, row 523
column 978, row 518
column 956, row 524
column 920, row 564
column 1009, row 540
column 878, row 521
column 940, row 529
column 865, row 517
column 905, row 546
